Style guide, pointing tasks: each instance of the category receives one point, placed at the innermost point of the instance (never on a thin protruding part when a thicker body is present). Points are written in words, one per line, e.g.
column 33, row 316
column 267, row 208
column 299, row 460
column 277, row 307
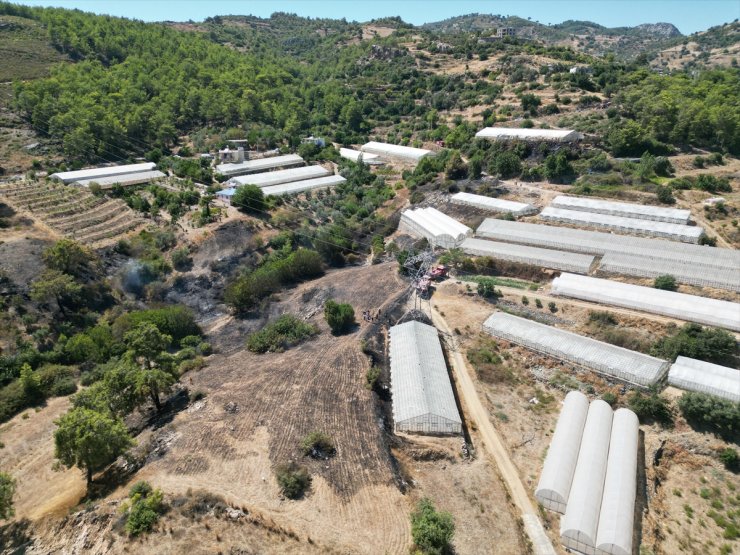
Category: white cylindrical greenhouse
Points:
column 400, row 152
column 303, row 185
column 624, row 209
column 560, row 464
column 705, row 377
column 609, row 360
column 673, row 232
column 439, row 229
column 711, row 312
column 547, row 258
column 617, row 514
column 579, row 526
column 493, row 204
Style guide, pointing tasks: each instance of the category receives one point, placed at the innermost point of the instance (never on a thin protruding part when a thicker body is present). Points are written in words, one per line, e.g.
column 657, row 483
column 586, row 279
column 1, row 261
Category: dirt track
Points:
column 492, row 443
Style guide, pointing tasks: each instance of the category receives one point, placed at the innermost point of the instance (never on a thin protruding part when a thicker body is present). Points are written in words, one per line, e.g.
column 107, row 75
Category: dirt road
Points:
column 493, row 445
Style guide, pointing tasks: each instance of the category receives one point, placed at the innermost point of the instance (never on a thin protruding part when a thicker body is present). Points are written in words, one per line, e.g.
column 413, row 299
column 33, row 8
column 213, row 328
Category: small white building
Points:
column 231, row 156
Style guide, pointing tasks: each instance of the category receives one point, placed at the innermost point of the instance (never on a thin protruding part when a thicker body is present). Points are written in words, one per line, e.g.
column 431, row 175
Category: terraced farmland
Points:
column 73, row 212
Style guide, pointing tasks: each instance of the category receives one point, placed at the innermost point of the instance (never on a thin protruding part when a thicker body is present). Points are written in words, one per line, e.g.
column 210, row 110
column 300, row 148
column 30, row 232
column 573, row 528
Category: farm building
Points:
column 624, row 209
column 423, row 400
column 547, row 258
column 682, row 269
column 125, row 180
column 705, row 377
column 91, row 174
column 438, row 228
column 674, row 232
column 354, row 155
column 560, row 464
column 522, row 134
column 270, row 178
column 303, row 185
column 387, row 150
column 226, row 194
column 493, row 204
column 609, row 360
column 259, row 165
column 698, row 265
column 702, row 310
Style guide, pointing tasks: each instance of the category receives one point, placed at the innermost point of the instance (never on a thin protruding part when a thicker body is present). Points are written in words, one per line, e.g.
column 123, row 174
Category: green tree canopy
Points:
column 249, row 198
column 56, row 286
column 339, row 316
column 147, row 342
column 70, row 257
column 432, row 531
column 7, row 490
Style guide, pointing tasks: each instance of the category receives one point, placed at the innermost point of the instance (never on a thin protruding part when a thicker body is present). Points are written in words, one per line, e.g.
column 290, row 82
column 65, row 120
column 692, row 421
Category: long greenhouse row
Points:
column 259, row 165
column 682, row 270
column 624, row 209
column 547, row 258
column 705, row 377
column 304, row 185
column 493, row 204
column 673, row 232
column 603, row 358
column 270, row 178
column 439, row 229
column 702, row 310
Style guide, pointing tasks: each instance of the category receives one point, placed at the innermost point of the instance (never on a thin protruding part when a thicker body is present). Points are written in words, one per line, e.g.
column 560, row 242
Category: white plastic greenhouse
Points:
column 705, row 377
column 270, row 178
column 106, row 171
column 388, row 150
column 600, row 243
column 423, row 400
column 617, row 514
column 674, row 232
column 579, row 525
column 493, row 204
column 523, row 134
column 259, row 165
column 625, row 209
column 547, row 258
column 682, row 269
column 438, row 228
column 711, row 312
column 609, row 360
column 560, row 464
column 124, row 180
column 354, row 155
column 303, row 185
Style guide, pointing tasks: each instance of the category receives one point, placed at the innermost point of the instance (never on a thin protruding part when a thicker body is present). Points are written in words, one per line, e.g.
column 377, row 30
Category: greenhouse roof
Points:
column 629, row 210
column 123, row 180
column 419, row 379
column 676, row 232
column 547, row 258
column 439, row 228
column 354, row 155
column 705, row 377
column 610, row 360
column 494, row 204
column 692, row 308
column 260, row 164
column 105, row 171
column 396, row 151
column 511, row 133
column 304, row 185
column 266, row 179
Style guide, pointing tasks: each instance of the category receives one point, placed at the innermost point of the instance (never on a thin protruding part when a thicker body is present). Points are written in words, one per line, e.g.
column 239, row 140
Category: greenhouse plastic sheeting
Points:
column 123, row 180
column 683, row 270
column 438, row 228
column 493, row 204
column 524, row 134
column 609, row 360
column 601, row 243
column 617, row 514
column 673, row 232
column 423, row 400
column 303, row 185
column 547, row 258
column 354, row 155
column 106, row 171
column 711, row 312
column 625, row 209
column 705, row 377
column 260, row 164
column 580, row 524
column 560, row 465
column 268, row 179
column 395, row 151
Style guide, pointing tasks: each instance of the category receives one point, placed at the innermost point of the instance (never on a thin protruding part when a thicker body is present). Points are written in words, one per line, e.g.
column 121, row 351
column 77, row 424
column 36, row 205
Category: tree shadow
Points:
column 15, row 537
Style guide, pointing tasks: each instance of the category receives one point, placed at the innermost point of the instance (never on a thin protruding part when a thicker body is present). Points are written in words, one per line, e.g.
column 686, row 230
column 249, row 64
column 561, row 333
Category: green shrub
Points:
column 339, row 316
column 181, row 259
column 552, row 307
column 651, row 408
column 145, row 510
column 538, row 303
column 695, row 341
column 602, row 317
column 283, row 333
column 716, row 415
column 372, row 376
column 318, row 445
column 176, row 321
column 432, row 531
column 609, row 397
column 666, row 282
column 730, row 459
column 293, row 480
column 249, row 198
column 487, row 289
column 141, row 488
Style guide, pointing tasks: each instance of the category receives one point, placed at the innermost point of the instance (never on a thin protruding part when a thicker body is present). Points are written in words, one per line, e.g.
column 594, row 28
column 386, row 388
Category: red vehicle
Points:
column 440, row 272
